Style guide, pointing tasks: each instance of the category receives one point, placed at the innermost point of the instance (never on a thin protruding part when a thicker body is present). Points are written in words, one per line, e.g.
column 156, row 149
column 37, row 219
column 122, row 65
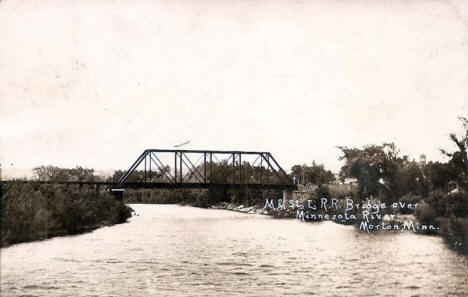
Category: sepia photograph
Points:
column 234, row 148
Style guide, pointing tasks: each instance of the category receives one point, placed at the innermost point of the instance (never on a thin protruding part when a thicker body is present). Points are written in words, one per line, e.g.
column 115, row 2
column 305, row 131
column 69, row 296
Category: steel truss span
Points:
column 164, row 168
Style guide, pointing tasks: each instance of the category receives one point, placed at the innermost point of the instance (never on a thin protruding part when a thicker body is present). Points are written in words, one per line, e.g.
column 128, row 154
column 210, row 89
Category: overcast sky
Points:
column 94, row 83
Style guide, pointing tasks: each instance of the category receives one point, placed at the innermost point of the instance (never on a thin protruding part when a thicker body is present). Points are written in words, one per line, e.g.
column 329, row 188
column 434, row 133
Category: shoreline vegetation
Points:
column 32, row 211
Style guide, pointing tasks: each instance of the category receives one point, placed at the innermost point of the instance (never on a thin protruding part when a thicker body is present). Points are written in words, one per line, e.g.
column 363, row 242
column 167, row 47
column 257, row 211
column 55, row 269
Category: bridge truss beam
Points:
column 199, row 169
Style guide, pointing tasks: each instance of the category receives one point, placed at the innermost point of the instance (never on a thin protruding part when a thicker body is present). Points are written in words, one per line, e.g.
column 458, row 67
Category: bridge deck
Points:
column 152, row 185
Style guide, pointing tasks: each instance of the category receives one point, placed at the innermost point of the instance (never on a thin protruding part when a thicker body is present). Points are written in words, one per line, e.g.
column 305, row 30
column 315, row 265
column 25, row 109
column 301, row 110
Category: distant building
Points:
column 422, row 159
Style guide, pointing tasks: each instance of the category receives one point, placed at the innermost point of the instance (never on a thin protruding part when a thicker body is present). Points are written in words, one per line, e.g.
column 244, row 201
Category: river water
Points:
column 170, row 250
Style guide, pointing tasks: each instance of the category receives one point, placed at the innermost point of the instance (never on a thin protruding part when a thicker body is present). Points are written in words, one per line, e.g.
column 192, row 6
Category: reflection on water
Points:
column 172, row 250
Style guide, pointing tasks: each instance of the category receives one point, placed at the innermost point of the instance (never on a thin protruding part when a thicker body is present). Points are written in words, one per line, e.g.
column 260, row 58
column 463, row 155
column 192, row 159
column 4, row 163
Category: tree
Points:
column 81, row 174
column 457, row 168
column 315, row 174
column 298, row 172
column 374, row 166
column 156, row 175
column 439, row 176
column 53, row 173
column 410, row 180
column 462, row 144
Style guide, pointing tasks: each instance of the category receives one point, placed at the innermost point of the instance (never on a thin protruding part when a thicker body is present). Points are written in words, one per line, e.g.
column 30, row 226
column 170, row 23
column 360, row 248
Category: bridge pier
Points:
column 118, row 193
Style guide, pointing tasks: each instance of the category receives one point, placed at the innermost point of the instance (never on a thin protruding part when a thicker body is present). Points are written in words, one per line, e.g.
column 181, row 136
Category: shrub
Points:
column 32, row 211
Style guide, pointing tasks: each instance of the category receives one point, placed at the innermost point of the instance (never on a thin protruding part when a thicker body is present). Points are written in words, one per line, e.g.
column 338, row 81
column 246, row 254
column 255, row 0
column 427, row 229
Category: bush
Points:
column 426, row 214
column 455, row 232
column 32, row 211
column 450, row 212
column 409, row 199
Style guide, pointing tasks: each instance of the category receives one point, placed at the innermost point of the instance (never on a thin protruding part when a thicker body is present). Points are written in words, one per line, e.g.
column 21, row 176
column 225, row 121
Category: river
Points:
column 170, row 250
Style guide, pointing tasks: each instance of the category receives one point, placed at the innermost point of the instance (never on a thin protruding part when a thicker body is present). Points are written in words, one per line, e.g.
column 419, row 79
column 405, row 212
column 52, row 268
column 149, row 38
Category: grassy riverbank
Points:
column 32, row 211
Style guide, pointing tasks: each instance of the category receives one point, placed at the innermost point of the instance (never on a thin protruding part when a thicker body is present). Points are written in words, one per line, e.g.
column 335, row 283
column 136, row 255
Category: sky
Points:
column 94, row 83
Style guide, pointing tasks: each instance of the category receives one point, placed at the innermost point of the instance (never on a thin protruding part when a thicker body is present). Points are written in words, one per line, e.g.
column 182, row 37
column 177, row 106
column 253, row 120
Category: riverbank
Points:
column 453, row 231
column 39, row 211
column 240, row 208
column 292, row 213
